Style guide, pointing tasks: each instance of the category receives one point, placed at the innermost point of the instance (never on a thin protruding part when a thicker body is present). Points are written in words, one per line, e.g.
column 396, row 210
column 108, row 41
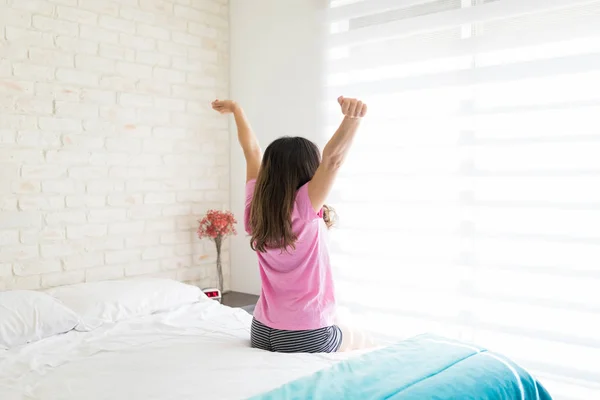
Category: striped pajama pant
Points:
column 323, row 340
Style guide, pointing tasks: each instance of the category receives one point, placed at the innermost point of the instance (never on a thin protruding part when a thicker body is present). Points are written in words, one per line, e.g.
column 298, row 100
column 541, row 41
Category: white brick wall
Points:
column 108, row 149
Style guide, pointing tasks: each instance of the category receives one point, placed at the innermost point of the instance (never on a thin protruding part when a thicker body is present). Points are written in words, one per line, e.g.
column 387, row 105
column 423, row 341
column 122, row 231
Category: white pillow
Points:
column 27, row 316
column 98, row 303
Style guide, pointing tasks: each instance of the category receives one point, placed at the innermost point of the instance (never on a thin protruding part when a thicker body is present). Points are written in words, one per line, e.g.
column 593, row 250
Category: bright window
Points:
column 470, row 204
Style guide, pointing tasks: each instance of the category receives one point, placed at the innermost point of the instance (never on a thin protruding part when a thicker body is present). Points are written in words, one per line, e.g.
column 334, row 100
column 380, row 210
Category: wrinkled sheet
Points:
column 200, row 351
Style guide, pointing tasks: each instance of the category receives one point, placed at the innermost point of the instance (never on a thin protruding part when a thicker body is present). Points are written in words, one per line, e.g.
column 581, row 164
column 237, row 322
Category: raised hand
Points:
column 246, row 136
column 224, row 106
column 352, row 108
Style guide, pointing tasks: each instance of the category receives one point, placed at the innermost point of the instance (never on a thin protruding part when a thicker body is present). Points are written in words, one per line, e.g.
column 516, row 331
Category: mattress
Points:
column 199, row 351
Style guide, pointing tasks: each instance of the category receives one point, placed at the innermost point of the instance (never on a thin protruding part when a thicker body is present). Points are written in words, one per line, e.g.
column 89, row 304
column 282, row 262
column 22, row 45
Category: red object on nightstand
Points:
column 212, row 293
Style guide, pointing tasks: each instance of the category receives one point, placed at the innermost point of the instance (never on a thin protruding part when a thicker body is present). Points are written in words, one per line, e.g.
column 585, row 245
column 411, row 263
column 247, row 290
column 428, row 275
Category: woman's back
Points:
column 297, row 287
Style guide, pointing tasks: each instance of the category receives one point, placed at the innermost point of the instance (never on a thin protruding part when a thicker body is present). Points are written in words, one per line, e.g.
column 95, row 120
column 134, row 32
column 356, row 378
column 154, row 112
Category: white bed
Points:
column 196, row 351
column 161, row 339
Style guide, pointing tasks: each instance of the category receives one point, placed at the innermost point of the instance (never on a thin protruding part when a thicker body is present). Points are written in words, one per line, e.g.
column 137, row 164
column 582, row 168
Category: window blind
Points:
column 470, row 204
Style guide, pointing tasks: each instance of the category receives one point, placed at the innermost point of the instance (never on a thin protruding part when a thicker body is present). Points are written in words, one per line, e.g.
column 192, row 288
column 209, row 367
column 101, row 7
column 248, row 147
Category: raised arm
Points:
column 335, row 151
column 246, row 136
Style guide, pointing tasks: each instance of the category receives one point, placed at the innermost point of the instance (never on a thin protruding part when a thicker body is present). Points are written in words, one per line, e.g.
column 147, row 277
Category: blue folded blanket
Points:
column 425, row 367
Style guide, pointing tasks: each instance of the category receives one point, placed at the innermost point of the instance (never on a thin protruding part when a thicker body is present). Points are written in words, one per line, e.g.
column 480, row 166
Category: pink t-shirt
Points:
column 297, row 287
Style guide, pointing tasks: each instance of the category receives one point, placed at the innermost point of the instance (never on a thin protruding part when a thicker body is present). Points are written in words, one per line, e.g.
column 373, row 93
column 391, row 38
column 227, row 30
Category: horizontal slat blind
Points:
column 485, row 12
column 470, row 205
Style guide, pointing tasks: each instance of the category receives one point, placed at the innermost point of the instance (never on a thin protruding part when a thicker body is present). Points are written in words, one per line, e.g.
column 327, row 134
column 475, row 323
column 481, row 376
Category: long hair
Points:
column 288, row 164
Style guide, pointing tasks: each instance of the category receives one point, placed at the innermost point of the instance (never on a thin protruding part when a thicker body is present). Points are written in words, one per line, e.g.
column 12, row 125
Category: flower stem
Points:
column 218, row 242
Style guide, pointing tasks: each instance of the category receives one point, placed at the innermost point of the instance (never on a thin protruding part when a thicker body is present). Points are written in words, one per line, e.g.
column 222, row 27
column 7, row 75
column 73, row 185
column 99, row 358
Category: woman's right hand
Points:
column 352, row 108
column 224, row 106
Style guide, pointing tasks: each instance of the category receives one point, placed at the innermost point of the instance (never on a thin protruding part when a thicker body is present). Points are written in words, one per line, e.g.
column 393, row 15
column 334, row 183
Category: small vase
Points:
column 218, row 243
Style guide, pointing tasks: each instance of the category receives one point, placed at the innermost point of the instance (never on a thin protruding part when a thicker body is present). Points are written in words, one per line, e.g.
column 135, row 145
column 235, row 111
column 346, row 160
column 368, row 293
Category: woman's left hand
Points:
column 224, row 106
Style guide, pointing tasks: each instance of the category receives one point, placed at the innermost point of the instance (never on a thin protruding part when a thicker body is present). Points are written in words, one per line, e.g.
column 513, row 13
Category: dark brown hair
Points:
column 288, row 164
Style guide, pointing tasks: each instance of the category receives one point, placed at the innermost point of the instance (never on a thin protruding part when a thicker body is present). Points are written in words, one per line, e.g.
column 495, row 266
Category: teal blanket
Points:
column 425, row 367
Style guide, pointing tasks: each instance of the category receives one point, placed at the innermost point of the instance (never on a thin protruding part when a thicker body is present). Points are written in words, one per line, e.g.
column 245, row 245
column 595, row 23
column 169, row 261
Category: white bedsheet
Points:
column 199, row 351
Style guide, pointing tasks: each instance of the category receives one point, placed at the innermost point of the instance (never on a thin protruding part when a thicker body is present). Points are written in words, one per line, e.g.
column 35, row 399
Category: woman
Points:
column 287, row 219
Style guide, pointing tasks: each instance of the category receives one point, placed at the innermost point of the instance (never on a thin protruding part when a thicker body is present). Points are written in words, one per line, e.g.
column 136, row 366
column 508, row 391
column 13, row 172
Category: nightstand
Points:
column 240, row 300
